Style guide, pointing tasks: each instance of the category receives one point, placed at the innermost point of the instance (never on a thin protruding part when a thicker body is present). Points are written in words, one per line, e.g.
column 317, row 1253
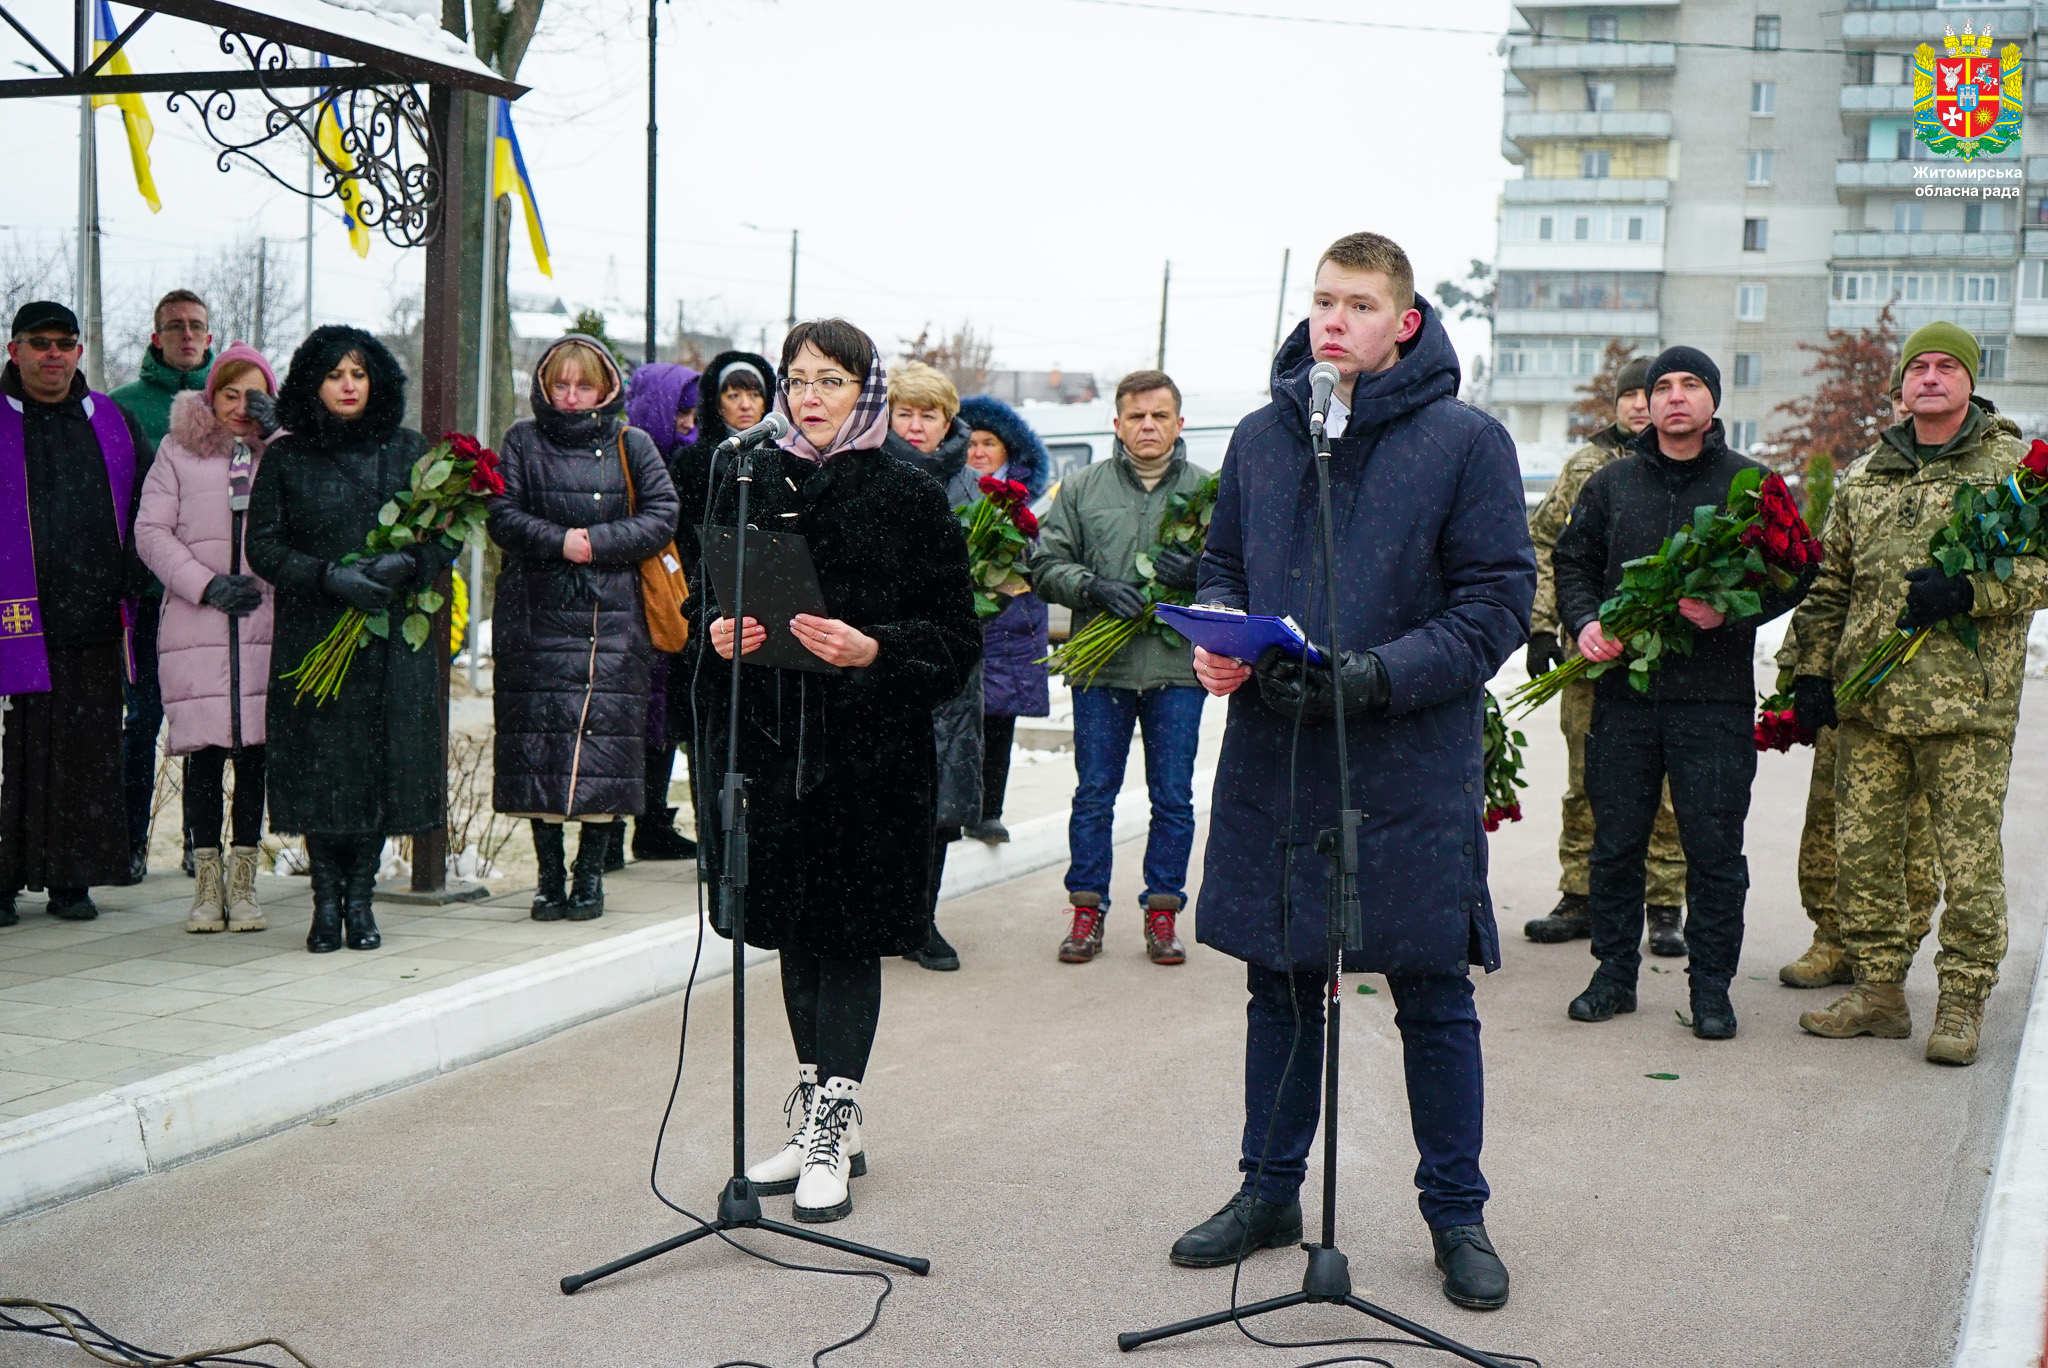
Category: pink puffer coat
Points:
column 182, row 530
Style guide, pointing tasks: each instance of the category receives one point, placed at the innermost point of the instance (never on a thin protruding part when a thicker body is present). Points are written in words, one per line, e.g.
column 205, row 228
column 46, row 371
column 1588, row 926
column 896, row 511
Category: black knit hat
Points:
column 1689, row 361
column 1630, row 376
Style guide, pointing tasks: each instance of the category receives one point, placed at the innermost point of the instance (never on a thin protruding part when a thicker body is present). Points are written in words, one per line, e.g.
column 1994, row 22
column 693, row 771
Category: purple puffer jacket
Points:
column 183, row 530
column 1013, row 642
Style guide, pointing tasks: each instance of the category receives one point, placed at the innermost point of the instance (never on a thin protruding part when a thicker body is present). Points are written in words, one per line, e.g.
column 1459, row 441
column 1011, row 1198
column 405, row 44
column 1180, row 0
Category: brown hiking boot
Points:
column 1084, row 941
column 1954, row 1038
column 1571, row 919
column 1822, row 964
column 1162, row 946
column 1872, row 1009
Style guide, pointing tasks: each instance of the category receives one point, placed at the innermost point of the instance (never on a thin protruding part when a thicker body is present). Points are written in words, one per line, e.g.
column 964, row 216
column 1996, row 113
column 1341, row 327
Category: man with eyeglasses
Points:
column 179, row 358
column 72, row 464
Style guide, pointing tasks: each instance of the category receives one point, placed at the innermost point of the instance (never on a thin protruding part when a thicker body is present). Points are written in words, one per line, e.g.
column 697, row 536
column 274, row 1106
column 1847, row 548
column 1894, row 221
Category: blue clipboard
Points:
column 1240, row 635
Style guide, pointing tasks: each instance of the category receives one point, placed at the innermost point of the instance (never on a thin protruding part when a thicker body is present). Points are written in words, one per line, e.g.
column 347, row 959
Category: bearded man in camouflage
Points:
column 1942, row 722
column 1550, row 646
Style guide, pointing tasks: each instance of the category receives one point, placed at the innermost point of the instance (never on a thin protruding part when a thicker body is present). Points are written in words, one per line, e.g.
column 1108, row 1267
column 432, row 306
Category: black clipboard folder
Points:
column 781, row 582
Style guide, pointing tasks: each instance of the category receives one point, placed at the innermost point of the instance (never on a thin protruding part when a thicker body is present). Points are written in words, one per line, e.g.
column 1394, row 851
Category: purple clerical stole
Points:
column 24, row 659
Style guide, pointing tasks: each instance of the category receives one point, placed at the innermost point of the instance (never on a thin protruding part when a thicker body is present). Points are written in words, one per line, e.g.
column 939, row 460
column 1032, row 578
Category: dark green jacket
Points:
column 1101, row 519
column 147, row 399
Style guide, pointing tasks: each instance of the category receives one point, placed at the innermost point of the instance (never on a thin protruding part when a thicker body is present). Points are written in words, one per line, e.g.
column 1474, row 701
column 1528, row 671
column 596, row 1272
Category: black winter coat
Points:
column 1436, row 576
column 840, row 798
column 370, row 760
column 1626, row 510
column 570, row 641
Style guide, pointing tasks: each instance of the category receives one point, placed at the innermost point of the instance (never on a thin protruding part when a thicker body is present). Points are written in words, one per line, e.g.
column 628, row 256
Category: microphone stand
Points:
column 1328, row 1276
column 739, row 1206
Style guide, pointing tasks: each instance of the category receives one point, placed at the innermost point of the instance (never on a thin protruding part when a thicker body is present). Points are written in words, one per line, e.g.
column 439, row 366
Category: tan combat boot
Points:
column 1823, row 963
column 1872, row 1009
column 243, row 913
column 209, row 912
column 1956, row 1022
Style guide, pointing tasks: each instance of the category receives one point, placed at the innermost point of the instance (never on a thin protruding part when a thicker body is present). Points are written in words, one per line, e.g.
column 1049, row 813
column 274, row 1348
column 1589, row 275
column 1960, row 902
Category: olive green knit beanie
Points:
column 1946, row 338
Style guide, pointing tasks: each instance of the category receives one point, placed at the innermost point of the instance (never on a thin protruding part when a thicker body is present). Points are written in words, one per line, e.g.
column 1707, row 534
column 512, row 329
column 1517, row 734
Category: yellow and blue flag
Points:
column 327, row 136
column 134, row 114
column 508, row 177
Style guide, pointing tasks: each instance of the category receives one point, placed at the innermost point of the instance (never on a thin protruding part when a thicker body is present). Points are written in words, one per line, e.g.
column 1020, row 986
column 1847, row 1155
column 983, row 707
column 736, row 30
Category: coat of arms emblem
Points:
column 1967, row 103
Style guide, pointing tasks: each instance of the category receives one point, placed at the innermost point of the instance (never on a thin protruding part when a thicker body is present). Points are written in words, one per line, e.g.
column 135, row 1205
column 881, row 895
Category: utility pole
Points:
column 1165, row 288
column 262, row 283
column 652, row 5
column 1280, row 313
column 792, row 279
column 88, row 210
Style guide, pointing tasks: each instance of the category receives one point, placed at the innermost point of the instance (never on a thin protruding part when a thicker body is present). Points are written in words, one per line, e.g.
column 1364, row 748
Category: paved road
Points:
column 1043, row 1132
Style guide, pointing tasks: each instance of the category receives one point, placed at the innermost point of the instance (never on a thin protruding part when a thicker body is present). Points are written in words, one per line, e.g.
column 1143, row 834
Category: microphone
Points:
column 1322, row 382
column 773, row 428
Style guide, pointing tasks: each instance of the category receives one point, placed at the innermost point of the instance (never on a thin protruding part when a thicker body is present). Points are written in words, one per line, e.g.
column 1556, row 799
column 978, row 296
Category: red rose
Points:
column 1777, row 543
column 1027, row 522
column 1752, row 535
column 464, row 446
column 2036, row 459
column 990, row 485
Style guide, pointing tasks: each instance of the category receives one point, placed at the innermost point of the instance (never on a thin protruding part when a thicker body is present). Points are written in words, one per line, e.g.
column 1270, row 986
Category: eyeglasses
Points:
column 43, row 344
column 826, row 386
column 180, row 326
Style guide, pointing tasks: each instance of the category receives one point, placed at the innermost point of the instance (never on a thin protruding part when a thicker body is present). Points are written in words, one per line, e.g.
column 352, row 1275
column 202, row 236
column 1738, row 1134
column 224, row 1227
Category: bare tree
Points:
column 243, row 303
column 964, row 356
column 1594, row 408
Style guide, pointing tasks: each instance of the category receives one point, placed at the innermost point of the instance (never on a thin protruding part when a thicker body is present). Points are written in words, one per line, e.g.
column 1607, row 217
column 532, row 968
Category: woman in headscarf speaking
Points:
column 841, row 772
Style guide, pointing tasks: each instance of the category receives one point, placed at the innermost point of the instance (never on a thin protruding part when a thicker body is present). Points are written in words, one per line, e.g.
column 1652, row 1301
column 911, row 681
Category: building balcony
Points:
column 1576, row 323
column 2030, row 318
column 2037, row 170
column 1868, row 244
column 1570, row 254
column 1860, row 102
column 1523, row 130
column 1609, row 190
column 1536, row 57
column 1985, row 320
column 1926, row 25
column 1533, row 389
column 2034, row 241
column 1855, row 177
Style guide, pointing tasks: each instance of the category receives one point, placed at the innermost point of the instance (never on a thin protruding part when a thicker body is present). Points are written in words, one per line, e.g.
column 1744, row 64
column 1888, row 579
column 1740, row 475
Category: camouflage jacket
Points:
column 1886, row 509
column 1554, row 512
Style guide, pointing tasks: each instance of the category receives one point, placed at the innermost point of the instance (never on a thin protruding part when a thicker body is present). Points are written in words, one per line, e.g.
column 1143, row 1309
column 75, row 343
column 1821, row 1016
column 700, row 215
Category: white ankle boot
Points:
column 777, row 1173
column 243, row 913
column 821, row 1187
column 209, row 898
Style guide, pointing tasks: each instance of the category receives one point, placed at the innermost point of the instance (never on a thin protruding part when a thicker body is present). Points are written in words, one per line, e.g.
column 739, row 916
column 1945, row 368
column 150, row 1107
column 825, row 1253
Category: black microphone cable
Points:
column 69, row 1323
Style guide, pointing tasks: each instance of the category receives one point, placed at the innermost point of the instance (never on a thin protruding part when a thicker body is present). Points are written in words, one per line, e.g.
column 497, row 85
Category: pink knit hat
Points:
column 239, row 351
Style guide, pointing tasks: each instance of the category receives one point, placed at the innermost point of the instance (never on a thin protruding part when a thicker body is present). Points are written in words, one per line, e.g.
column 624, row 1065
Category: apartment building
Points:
column 1740, row 177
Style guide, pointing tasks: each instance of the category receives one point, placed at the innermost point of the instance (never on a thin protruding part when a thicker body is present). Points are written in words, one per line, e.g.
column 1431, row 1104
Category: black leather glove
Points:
column 262, row 411
column 1813, row 702
column 400, row 570
column 355, row 586
column 235, row 595
column 1115, row 597
column 1176, row 568
column 1933, row 595
column 1545, row 654
column 1288, row 686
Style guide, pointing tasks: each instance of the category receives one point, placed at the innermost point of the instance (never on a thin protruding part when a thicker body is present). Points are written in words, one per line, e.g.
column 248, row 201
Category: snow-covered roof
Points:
column 403, row 37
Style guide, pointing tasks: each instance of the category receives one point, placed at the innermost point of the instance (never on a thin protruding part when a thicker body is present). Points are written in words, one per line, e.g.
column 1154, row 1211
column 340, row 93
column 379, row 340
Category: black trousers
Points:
column 143, row 707
column 996, row 735
column 1708, row 751
column 833, row 1007
column 205, row 795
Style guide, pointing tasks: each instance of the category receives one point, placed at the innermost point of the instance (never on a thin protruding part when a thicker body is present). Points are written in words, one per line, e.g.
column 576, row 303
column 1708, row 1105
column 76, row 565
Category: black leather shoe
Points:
column 8, row 916
column 992, row 831
column 551, row 898
column 72, row 904
column 1713, row 1015
column 1602, row 999
column 1474, row 1276
column 1244, row 1226
column 357, row 918
column 586, row 889
column 1569, row 920
column 138, row 864
column 937, row 953
column 1667, row 931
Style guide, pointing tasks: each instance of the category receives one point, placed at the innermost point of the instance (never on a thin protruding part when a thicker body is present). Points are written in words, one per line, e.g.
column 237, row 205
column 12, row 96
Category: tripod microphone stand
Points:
column 739, row 1206
column 1328, row 1276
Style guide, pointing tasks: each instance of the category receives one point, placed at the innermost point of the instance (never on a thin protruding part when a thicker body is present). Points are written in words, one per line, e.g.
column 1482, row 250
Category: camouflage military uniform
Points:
column 1942, row 723
column 1665, row 865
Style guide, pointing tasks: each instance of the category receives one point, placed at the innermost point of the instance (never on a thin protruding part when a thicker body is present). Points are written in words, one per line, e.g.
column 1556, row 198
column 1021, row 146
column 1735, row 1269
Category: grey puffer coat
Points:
column 573, row 652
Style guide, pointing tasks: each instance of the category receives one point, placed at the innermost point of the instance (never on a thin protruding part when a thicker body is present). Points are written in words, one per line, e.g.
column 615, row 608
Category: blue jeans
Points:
column 1171, row 719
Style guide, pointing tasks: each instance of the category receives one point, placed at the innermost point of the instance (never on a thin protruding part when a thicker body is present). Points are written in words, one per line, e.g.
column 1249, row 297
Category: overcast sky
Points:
column 1028, row 166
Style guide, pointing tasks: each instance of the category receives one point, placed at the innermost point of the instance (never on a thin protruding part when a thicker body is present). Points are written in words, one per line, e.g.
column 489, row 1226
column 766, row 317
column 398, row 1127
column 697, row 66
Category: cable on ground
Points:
column 69, row 1323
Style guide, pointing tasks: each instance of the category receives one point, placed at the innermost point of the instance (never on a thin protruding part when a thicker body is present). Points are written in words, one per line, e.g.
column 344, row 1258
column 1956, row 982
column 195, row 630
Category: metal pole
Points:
column 309, row 236
column 792, row 278
column 1280, row 312
column 88, row 209
column 652, row 5
column 486, row 335
column 1165, row 287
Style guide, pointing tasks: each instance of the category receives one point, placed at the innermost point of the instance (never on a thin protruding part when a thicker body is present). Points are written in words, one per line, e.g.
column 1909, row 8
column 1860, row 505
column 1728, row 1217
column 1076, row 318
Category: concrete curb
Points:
column 142, row 1128
column 2005, row 1313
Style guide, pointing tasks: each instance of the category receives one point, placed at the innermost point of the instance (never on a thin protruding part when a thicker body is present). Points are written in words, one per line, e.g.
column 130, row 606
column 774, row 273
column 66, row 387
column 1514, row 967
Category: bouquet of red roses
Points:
column 443, row 501
column 1503, row 756
column 1776, row 727
column 1184, row 524
column 1724, row 557
column 1000, row 527
column 1986, row 531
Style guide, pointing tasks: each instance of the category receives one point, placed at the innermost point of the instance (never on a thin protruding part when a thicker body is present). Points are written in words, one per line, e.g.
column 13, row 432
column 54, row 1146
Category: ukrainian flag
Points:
column 508, row 177
column 134, row 114
column 327, row 136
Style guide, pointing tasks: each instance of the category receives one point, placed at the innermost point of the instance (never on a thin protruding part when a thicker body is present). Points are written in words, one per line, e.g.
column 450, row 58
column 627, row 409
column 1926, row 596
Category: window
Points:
column 1742, row 433
column 1908, row 218
column 1582, row 229
column 1593, row 165
column 1583, row 224
column 1635, row 227
column 1983, row 218
column 1578, row 290
column 1560, row 356
column 1749, row 303
column 1991, row 358
column 1756, row 235
column 1545, row 228
column 1763, row 98
column 1749, row 369
column 1922, row 286
column 1760, row 167
column 1977, row 287
column 2032, row 282
column 1599, row 96
column 2041, row 211
column 1603, row 28
column 1769, row 29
